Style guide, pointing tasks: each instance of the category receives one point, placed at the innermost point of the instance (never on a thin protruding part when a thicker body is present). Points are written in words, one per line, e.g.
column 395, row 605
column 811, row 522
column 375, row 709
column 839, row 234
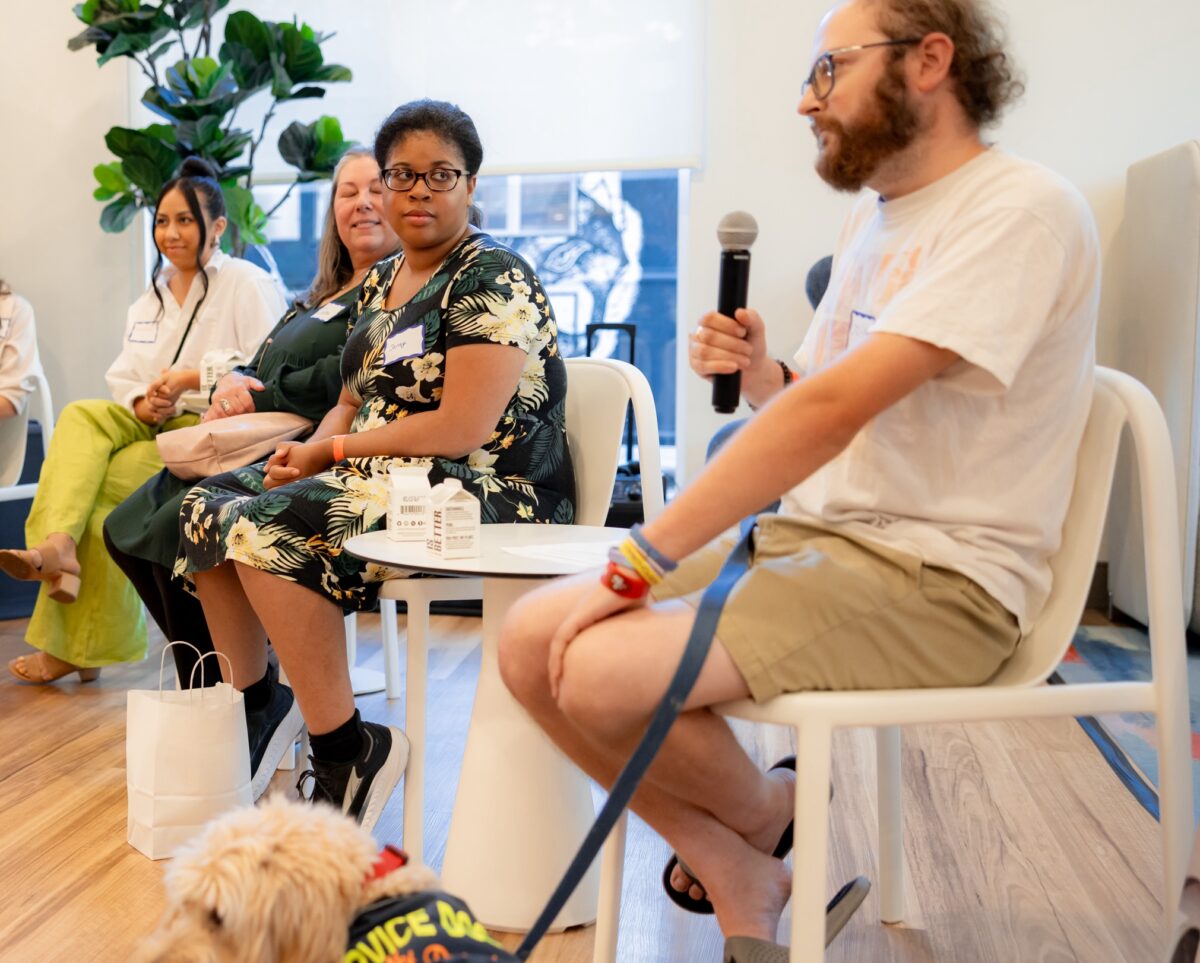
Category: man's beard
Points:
column 857, row 151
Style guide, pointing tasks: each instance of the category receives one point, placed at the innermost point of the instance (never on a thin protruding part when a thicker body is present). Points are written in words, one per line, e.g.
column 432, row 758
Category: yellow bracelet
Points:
column 638, row 561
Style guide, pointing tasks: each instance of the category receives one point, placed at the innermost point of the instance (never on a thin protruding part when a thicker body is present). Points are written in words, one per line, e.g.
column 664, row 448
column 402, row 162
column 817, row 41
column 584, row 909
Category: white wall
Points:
column 1107, row 84
column 55, row 107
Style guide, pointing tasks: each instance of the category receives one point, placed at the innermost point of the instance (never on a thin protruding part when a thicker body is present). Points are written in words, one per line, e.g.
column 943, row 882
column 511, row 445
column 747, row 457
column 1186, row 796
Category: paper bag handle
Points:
column 162, row 662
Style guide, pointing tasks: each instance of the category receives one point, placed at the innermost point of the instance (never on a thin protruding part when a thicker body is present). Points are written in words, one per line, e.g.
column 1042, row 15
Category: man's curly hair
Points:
column 985, row 80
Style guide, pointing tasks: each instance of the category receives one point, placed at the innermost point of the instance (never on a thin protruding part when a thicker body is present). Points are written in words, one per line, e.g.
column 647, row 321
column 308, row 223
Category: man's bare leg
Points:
column 702, row 793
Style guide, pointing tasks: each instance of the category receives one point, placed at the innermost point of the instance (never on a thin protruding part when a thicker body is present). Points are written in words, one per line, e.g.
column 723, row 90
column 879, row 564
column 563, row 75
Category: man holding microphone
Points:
column 923, row 441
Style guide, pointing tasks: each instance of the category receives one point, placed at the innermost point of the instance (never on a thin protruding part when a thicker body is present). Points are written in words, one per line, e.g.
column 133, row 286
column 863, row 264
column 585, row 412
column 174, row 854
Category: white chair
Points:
column 13, row 433
column 1016, row 691
column 599, row 391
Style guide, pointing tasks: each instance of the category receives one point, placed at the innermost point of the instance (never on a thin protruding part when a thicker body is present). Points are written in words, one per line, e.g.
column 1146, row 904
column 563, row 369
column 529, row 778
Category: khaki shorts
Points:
column 818, row 610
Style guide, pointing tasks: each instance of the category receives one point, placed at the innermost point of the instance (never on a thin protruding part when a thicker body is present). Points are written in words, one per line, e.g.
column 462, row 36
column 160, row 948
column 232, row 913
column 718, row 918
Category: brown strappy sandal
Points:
column 19, row 563
column 41, row 668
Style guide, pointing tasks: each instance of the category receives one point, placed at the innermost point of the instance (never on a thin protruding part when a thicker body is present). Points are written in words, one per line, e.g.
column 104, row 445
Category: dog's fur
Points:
column 275, row 884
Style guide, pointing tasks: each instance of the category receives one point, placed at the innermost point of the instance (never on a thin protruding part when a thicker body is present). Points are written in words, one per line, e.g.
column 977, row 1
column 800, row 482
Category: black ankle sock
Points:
column 341, row 745
column 259, row 694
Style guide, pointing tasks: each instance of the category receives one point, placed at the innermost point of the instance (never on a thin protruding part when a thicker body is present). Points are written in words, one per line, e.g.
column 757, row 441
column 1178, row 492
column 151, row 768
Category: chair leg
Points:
column 891, row 824
column 351, row 622
column 417, row 633
column 811, row 836
column 391, row 646
column 1174, row 799
column 608, row 912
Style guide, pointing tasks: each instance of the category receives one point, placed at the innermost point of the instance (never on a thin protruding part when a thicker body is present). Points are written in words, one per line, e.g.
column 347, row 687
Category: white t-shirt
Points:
column 241, row 308
column 19, row 361
column 1000, row 263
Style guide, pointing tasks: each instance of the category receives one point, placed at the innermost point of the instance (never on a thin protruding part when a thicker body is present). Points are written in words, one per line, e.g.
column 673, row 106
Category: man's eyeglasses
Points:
column 440, row 179
column 821, row 76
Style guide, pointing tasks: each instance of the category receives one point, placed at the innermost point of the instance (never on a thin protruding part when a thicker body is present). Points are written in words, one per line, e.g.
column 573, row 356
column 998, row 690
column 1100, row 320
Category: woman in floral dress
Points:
column 452, row 364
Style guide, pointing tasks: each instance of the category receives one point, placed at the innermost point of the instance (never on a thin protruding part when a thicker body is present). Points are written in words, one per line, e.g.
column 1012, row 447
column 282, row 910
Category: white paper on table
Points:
column 582, row 554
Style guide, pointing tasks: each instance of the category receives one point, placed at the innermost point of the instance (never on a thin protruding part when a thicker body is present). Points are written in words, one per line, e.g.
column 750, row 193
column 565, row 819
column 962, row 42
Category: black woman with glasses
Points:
column 453, row 364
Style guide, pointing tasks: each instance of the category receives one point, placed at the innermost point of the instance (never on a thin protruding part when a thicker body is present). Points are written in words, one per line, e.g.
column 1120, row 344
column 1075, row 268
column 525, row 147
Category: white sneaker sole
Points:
column 284, row 737
column 385, row 780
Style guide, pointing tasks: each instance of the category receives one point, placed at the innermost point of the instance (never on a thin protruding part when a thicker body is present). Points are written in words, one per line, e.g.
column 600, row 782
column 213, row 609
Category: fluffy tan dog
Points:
column 276, row 884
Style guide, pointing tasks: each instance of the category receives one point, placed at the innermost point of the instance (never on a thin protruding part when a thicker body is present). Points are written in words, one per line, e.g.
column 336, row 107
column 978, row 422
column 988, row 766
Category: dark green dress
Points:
column 393, row 365
column 299, row 365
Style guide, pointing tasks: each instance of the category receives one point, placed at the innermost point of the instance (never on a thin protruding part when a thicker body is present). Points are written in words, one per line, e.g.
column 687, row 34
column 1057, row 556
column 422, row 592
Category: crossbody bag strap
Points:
column 695, row 652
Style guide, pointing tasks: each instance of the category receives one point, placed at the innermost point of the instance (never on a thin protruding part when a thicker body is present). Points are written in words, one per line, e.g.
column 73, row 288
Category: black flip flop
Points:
column 746, row 949
column 703, row 907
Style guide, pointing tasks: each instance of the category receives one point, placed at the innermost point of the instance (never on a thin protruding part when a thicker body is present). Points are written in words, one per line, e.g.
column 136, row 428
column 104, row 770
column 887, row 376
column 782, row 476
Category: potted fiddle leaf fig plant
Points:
column 198, row 97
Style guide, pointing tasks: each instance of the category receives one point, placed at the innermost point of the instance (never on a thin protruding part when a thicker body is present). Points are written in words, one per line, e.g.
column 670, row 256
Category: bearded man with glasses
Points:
column 923, row 441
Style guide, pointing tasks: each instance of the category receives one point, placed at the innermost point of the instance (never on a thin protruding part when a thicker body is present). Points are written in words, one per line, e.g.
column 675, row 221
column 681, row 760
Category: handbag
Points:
column 187, row 760
column 212, row 447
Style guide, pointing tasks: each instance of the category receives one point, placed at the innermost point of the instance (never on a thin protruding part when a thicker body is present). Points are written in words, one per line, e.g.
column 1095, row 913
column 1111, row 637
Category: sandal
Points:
column 683, row 898
column 746, row 949
column 39, row 668
column 63, row 585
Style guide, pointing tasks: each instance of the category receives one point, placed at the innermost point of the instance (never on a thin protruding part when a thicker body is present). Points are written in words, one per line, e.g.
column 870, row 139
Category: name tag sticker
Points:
column 860, row 327
column 404, row 344
column 330, row 311
column 5, row 328
column 143, row 332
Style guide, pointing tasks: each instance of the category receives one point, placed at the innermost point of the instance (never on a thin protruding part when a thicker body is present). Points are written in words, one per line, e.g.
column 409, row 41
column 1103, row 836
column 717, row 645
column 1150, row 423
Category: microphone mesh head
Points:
column 737, row 231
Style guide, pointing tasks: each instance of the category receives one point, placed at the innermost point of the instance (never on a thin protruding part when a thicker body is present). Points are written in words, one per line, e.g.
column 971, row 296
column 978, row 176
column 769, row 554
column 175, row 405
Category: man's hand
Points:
column 723, row 345
column 293, row 459
column 232, row 396
column 595, row 606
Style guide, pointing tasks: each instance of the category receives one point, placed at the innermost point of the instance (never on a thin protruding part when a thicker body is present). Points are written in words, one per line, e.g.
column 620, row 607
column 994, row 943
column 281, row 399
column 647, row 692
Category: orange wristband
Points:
column 339, row 448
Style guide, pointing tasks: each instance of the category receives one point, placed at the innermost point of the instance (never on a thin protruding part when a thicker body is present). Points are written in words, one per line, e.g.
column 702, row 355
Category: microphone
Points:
column 736, row 232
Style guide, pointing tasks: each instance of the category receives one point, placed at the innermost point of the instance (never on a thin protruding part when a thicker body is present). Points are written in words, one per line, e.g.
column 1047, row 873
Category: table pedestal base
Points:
column 522, row 807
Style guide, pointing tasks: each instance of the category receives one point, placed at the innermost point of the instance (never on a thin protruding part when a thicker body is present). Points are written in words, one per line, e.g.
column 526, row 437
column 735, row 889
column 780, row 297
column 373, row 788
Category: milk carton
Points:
column 453, row 528
column 408, row 502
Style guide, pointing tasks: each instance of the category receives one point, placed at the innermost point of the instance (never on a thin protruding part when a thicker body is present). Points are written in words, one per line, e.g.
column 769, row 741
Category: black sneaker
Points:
column 361, row 788
column 272, row 731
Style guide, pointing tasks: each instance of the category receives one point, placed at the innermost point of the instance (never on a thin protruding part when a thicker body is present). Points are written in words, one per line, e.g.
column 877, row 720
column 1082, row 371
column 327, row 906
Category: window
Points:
column 605, row 245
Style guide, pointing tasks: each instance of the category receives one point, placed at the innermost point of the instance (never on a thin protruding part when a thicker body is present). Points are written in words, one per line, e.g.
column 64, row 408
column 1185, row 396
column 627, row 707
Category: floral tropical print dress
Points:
column 394, row 365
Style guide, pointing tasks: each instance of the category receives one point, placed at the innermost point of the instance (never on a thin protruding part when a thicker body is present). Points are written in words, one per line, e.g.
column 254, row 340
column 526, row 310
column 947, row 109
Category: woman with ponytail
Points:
column 203, row 313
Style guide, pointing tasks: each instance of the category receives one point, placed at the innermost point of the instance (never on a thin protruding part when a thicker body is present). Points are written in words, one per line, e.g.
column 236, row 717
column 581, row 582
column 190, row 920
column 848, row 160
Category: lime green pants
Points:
column 99, row 455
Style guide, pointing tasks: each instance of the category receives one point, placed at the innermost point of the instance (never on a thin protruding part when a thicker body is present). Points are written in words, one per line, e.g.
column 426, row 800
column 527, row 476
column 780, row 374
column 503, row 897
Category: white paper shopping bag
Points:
column 187, row 760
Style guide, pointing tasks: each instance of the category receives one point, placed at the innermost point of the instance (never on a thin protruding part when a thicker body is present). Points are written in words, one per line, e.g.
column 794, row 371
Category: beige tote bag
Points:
column 212, row 447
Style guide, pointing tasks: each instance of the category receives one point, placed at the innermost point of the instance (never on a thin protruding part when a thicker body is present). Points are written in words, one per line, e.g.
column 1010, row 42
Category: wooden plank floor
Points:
column 1021, row 844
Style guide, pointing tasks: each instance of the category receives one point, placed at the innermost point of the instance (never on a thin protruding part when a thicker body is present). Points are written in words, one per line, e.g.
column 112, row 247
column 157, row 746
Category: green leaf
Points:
column 332, row 73
column 297, row 144
column 247, row 216
column 117, row 215
column 112, row 181
column 246, row 30
column 145, row 160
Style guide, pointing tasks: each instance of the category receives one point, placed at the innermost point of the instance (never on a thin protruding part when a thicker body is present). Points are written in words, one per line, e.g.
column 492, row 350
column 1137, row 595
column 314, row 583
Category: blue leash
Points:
column 690, row 663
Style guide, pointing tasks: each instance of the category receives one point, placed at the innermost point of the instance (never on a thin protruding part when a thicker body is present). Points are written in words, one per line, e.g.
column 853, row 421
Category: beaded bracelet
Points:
column 788, row 374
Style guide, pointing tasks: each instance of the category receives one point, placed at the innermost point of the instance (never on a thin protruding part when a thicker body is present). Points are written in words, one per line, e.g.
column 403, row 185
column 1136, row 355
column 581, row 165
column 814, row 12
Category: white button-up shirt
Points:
column 19, row 361
column 241, row 308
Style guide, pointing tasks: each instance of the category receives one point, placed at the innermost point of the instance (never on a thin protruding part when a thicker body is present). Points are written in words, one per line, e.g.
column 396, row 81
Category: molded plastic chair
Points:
column 13, row 434
column 1017, row 690
column 599, row 391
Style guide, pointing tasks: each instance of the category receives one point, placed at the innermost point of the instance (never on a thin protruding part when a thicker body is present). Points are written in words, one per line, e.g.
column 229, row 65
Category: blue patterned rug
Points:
column 1128, row 741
